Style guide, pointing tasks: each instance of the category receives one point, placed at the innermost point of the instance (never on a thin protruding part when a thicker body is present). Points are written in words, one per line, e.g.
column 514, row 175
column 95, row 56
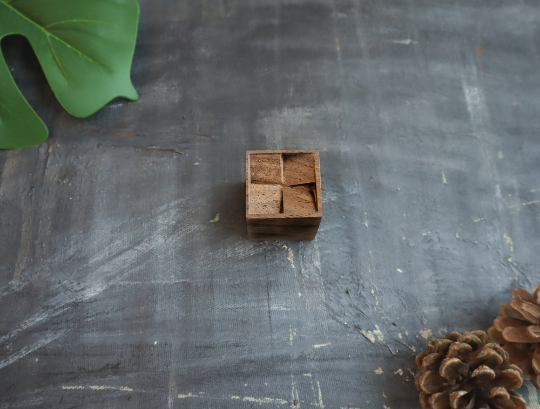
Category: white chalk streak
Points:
column 46, row 339
column 405, row 41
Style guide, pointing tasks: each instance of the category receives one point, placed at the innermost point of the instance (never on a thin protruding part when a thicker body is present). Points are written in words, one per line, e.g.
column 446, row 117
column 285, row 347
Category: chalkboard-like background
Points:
column 126, row 280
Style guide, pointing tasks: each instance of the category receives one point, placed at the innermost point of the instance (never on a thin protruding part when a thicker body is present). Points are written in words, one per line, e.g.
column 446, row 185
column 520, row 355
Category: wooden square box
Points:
column 283, row 194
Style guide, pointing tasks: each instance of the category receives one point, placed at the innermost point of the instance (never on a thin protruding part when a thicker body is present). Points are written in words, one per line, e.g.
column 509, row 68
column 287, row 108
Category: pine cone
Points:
column 467, row 372
column 517, row 328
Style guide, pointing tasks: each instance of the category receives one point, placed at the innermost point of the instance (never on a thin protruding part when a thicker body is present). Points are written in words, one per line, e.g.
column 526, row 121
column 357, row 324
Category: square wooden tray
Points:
column 283, row 194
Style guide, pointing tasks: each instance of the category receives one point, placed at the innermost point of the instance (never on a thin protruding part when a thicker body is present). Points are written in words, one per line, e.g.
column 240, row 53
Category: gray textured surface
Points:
column 116, row 290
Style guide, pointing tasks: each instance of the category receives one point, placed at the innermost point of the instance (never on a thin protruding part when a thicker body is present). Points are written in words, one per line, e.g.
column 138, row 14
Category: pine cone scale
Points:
column 432, row 382
column 432, row 362
column 496, row 335
column 483, row 374
column 499, row 392
column 520, row 335
column 527, row 310
column 536, row 293
column 531, row 309
column 519, row 402
column 486, row 357
column 523, row 294
column 437, row 401
column 508, row 311
column 459, row 349
column 509, row 379
column 452, row 369
column 534, row 330
column 462, row 399
column 535, row 361
column 502, row 322
column 517, row 355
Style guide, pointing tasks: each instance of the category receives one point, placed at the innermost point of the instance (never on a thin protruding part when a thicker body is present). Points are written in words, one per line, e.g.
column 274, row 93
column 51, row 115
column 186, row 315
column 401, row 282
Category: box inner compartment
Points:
column 283, row 184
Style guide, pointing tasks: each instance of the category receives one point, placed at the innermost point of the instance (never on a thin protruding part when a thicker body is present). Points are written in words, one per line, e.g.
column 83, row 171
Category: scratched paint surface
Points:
column 126, row 280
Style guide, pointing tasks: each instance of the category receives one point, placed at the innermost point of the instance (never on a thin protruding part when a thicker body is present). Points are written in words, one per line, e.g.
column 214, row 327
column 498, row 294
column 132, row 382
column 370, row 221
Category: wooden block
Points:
column 299, row 200
column 298, row 168
column 266, row 168
column 266, row 199
column 283, row 194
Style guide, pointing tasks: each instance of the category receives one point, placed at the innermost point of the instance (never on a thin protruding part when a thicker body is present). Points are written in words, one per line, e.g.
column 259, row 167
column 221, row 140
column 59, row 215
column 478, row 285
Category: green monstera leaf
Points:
column 85, row 48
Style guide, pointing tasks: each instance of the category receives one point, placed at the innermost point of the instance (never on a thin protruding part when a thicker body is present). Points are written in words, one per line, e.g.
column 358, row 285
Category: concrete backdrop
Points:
column 126, row 280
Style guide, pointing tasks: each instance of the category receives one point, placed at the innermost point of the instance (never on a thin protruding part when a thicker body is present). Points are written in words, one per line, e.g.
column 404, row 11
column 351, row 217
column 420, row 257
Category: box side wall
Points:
column 318, row 182
column 248, row 177
column 283, row 229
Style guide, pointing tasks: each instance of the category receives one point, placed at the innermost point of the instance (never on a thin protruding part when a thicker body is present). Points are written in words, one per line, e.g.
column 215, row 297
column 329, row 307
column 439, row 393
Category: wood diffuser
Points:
column 283, row 194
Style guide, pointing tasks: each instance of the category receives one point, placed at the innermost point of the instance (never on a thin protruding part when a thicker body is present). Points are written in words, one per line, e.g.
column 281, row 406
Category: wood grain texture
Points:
column 126, row 277
column 283, row 194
